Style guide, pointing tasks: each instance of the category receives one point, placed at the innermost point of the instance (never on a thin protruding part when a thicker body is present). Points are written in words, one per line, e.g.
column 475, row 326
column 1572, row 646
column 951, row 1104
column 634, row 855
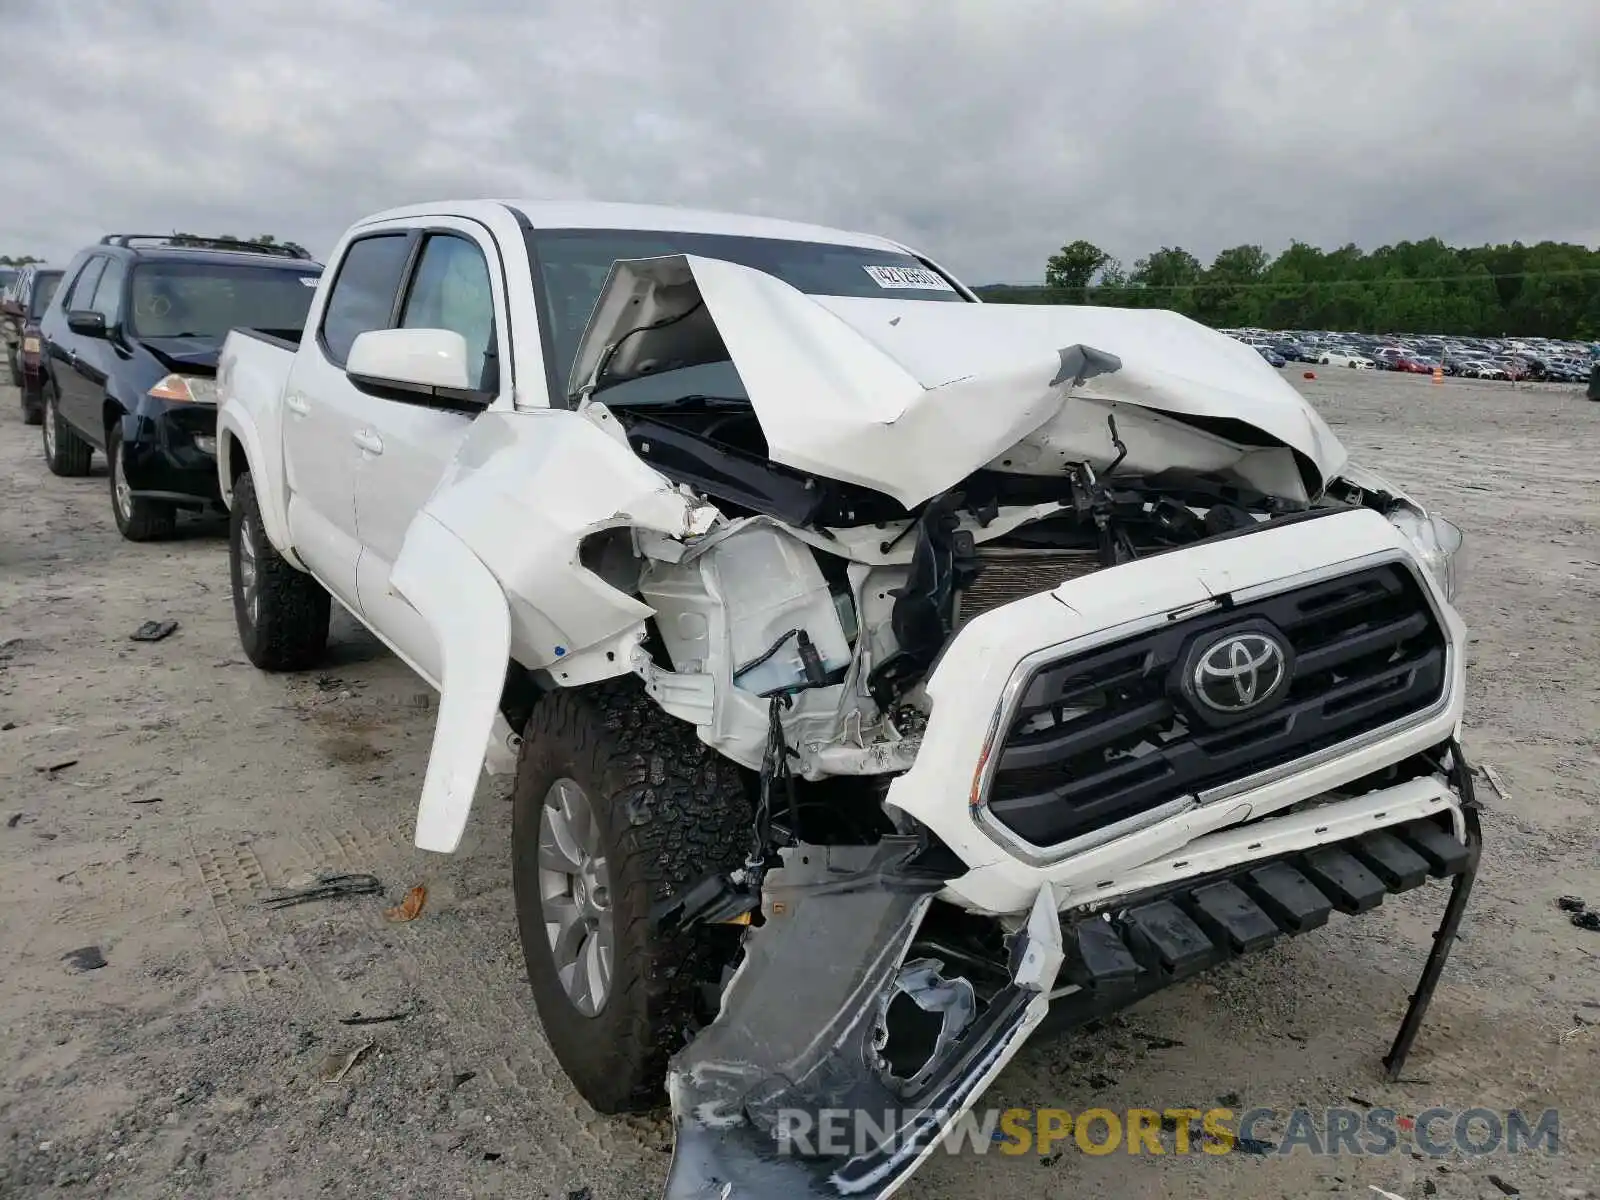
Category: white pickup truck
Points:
column 881, row 670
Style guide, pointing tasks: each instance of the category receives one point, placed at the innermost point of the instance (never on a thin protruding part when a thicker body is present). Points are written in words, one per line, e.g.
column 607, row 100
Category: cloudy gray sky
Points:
column 987, row 132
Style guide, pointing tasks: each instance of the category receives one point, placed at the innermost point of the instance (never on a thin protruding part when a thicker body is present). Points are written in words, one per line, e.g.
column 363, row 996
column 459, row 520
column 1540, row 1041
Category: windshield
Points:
column 571, row 267
column 204, row 300
column 44, row 287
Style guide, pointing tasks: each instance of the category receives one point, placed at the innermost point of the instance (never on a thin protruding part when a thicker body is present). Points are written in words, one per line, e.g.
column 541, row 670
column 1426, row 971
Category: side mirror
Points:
column 87, row 322
column 428, row 362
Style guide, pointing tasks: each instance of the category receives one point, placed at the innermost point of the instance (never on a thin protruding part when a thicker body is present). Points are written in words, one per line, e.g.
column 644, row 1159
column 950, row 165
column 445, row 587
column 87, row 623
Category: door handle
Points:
column 296, row 404
column 368, row 441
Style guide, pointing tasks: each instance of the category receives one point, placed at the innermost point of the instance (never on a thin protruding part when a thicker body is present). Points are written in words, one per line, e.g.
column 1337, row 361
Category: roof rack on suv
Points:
column 206, row 243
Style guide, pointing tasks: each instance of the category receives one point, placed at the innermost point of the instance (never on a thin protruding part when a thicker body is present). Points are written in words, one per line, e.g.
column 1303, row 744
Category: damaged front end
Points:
column 921, row 504
column 947, row 580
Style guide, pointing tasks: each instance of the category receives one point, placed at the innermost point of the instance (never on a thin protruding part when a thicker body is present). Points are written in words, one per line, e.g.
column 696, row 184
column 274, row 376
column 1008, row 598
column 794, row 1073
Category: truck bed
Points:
column 252, row 370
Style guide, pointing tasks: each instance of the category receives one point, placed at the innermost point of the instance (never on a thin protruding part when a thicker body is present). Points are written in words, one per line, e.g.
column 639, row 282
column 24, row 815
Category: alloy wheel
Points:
column 249, row 581
column 575, row 896
column 119, row 483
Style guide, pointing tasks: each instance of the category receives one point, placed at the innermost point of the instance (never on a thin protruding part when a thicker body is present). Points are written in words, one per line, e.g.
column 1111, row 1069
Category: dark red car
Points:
column 21, row 305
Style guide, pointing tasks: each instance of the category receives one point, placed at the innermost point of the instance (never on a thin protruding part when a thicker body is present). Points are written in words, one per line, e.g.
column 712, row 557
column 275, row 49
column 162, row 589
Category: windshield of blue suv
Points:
column 571, row 265
column 203, row 300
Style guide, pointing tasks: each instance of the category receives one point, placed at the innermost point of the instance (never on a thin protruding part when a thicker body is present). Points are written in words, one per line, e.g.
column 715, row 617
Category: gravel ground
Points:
column 154, row 792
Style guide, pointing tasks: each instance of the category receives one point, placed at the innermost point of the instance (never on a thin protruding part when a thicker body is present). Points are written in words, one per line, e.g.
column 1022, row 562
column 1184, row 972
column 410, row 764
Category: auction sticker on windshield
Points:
column 919, row 278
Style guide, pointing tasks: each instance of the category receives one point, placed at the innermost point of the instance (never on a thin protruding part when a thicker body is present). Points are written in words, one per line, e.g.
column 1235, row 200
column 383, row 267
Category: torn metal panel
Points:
column 802, row 1029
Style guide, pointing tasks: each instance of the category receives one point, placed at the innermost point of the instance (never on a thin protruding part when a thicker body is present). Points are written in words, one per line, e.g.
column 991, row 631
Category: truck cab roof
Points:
column 589, row 214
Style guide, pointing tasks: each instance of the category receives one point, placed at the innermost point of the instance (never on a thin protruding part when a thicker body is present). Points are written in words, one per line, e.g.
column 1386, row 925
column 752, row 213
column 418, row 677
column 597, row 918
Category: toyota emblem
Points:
column 1239, row 672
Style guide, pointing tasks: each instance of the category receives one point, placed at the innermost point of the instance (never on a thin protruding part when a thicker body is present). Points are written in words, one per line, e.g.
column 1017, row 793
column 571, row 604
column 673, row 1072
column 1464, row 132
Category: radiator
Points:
column 1011, row 574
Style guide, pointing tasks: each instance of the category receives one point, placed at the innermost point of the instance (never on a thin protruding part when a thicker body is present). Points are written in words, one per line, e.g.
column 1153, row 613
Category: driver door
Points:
column 409, row 440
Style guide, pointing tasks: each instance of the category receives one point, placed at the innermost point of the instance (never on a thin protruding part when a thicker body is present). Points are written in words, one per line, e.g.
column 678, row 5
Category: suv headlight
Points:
column 1438, row 544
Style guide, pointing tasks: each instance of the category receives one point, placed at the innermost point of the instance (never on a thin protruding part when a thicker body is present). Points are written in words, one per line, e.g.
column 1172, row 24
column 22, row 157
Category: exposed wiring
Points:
column 611, row 350
column 765, row 655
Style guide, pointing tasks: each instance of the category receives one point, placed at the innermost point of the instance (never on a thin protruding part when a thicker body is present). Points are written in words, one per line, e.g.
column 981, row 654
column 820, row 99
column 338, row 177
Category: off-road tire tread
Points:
column 150, row 520
column 685, row 814
column 73, row 455
column 293, row 631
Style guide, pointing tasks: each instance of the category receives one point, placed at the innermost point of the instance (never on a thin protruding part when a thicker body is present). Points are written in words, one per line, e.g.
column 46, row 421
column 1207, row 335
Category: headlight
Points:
column 191, row 389
column 1438, row 544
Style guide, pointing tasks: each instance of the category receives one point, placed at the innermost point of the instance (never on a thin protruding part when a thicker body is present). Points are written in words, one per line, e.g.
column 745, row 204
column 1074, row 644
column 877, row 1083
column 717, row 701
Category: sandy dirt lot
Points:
column 152, row 793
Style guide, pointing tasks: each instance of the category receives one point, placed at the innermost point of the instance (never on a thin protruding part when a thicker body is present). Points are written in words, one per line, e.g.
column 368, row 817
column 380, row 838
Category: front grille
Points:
column 1106, row 735
column 1009, row 574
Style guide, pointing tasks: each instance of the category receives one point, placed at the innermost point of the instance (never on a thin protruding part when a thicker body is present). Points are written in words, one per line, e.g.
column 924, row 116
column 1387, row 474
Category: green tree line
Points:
column 1551, row 289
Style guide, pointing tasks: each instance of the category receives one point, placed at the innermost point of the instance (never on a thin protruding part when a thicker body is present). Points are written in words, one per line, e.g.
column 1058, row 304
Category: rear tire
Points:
column 666, row 812
column 138, row 520
column 65, row 453
column 282, row 613
column 32, row 410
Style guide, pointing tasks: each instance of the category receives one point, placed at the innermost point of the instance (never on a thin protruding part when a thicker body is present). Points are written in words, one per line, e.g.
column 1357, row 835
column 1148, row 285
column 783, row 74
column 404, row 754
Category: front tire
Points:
column 614, row 793
column 65, row 453
column 138, row 520
column 282, row 613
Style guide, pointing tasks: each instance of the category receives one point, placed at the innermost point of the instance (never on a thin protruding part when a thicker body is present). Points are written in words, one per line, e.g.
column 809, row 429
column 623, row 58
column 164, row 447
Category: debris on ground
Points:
column 1496, row 782
column 148, row 800
column 337, row 1065
column 8, row 727
column 462, row 1077
column 60, row 764
column 85, row 958
column 327, row 887
column 358, row 1019
column 14, row 820
column 1505, row 1188
column 153, row 631
column 1589, row 919
column 1574, row 904
column 410, row 908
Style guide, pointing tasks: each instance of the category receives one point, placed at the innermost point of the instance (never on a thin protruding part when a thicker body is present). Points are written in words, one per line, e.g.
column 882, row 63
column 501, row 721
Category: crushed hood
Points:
column 909, row 397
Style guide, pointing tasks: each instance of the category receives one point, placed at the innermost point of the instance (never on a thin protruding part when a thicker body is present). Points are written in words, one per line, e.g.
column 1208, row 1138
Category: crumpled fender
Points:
column 492, row 565
column 461, row 601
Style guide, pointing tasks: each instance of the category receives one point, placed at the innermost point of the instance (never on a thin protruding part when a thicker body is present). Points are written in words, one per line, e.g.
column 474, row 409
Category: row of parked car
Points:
column 117, row 353
column 1469, row 358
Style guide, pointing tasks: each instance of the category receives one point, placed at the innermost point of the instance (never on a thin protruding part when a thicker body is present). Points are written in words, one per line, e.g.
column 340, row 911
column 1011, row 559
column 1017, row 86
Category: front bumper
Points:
column 788, row 1093
column 166, row 454
column 973, row 688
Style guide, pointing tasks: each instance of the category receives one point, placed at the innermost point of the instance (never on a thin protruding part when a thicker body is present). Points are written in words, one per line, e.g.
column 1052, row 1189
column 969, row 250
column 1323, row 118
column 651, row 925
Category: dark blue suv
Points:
column 130, row 360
